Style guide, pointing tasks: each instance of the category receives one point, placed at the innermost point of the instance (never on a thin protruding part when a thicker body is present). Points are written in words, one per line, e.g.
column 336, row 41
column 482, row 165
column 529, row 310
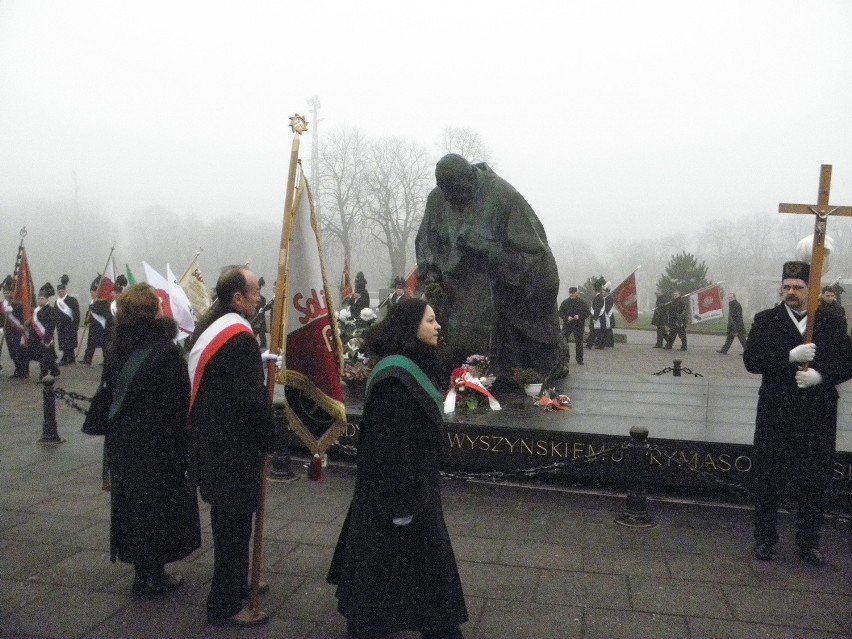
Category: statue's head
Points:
column 456, row 178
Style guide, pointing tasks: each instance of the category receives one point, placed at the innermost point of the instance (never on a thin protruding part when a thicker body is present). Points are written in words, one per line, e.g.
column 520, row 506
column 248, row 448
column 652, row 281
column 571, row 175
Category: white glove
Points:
column 402, row 521
column 267, row 356
column 803, row 353
column 807, row 378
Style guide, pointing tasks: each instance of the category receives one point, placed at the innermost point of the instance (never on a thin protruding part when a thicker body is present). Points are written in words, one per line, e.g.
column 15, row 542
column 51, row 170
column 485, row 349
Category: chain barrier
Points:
column 677, row 371
column 71, row 399
column 683, row 465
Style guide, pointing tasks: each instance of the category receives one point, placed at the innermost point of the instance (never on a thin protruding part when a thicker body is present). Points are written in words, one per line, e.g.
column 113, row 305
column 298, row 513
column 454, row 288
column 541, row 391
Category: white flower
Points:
column 344, row 314
column 367, row 315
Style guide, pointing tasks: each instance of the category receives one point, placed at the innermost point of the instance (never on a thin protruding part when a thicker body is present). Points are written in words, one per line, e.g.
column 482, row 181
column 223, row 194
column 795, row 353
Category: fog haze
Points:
column 618, row 121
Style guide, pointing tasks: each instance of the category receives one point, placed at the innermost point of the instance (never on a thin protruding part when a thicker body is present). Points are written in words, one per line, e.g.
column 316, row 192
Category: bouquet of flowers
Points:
column 356, row 365
column 469, row 386
column 550, row 400
column 524, row 376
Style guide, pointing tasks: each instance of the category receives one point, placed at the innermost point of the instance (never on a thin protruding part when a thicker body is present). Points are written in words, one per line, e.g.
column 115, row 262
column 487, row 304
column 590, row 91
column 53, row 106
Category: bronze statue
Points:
column 484, row 259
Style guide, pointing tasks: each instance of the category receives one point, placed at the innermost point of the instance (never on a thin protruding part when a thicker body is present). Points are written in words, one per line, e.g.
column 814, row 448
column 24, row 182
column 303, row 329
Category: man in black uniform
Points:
column 597, row 309
column 660, row 318
column 16, row 333
column 67, row 321
column 43, row 330
column 96, row 319
column 736, row 326
column 573, row 311
column 796, row 421
column 830, row 305
column 678, row 319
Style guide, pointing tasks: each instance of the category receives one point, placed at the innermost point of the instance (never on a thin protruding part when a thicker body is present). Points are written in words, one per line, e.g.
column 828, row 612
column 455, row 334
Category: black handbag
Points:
column 98, row 413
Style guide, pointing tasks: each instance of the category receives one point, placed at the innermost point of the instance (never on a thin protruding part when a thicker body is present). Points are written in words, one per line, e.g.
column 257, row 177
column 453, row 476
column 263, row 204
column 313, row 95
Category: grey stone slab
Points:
column 303, row 559
column 15, row 594
column 11, row 518
column 627, row 624
column 663, row 596
column 804, row 610
column 509, row 620
column 66, row 612
column 497, row 581
column 22, row 498
column 308, row 532
column 841, row 607
column 582, row 589
column 538, row 554
column 788, row 572
column 48, row 529
column 729, row 629
column 87, row 569
column 22, row 559
column 313, row 600
column 153, row 619
column 719, row 569
column 626, row 562
column 477, row 549
column 661, row 538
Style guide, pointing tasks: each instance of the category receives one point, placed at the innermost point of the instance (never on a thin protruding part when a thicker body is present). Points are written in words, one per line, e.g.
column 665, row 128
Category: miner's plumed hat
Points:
column 46, row 290
column 63, row 282
column 572, row 289
column 95, row 282
column 7, row 283
column 261, row 282
column 597, row 287
column 797, row 271
column 121, row 281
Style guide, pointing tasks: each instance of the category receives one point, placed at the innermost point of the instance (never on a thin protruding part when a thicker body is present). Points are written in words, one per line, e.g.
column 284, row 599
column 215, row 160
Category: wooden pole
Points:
column 299, row 125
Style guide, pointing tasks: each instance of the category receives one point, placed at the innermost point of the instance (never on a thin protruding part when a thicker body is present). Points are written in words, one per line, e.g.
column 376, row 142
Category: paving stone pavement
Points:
column 536, row 561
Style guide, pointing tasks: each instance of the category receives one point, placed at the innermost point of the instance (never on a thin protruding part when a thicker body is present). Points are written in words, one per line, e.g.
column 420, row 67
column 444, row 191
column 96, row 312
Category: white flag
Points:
column 181, row 306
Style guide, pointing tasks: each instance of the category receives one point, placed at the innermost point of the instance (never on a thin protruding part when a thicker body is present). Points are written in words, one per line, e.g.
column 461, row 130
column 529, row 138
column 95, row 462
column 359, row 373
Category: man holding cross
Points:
column 796, row 420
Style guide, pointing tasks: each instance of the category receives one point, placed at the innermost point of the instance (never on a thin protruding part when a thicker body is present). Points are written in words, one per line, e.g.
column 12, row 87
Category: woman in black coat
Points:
column 154, row 520
column 394, row 564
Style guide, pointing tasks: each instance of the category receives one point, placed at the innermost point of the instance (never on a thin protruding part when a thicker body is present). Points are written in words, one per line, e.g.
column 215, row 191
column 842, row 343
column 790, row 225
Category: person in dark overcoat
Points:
column 660, row 319
column 98, row 319
column 231, row 428
column 573, row 312
column 796, row 424
column 736, row 325
column 678, row 319
column 154, row 521
column 43, row 333
column 67, row 322
column 394, row 565
column 16, row 333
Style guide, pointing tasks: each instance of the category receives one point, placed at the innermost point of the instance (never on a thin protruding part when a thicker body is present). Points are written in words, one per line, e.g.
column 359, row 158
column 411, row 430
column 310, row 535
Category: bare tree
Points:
column 400, row 179
column 466, row 142
column 342, row 170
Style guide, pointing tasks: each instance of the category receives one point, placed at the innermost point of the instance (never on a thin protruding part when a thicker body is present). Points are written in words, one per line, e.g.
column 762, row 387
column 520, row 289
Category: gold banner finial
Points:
column 299, row 124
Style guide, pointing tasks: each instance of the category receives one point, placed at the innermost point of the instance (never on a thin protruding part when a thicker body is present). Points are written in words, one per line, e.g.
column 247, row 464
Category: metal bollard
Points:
column 49, row 434
column 280, row 457
column 676, row 368
column 635, row 513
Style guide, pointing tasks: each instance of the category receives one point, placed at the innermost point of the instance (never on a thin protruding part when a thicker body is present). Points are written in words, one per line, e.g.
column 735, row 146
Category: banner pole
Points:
column 298, row 124
column 13, row 283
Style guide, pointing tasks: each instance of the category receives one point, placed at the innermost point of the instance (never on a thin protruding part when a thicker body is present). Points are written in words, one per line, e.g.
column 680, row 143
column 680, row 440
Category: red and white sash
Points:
column 209, row 342
column 38, row 327
column 62, row 306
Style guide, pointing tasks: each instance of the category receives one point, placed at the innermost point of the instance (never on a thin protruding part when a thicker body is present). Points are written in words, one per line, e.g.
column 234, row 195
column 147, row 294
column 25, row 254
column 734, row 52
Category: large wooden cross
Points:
column 820, row 211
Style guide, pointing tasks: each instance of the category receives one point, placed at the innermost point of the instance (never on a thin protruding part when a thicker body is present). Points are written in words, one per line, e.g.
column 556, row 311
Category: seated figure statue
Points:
column 484, row 259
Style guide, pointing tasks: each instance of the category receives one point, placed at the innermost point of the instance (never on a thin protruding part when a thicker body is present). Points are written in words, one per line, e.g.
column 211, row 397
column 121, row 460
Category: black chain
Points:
column 709, row 477
column 71, row 399
column 683, row 369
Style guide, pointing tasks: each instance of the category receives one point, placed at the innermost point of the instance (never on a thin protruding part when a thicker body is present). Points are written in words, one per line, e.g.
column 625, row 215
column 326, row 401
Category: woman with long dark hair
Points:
column 394, row 564
column 154, row 520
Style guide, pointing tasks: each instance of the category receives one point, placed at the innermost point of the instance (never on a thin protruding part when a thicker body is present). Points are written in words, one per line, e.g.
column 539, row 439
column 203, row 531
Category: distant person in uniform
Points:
column 736, row 326
column 43, row 332
column 360, row 296
column 96, row 321
column 678, row 319
column 258, row 322
column 829, row 304
column 68, row 322
column 17, row 334
column 660, row 318
column 796, row 424
column 573, row 312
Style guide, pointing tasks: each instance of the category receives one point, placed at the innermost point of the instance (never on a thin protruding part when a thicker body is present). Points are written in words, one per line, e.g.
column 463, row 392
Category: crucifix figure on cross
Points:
column 821, row 211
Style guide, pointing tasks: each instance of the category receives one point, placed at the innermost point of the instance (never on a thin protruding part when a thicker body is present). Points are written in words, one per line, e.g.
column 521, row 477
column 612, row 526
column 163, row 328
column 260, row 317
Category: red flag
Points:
column 706, row 304
column 106, row 286
column 313, row 353
column 24, row 291
column 412, row 282
column 345, row 283
column 624, row 299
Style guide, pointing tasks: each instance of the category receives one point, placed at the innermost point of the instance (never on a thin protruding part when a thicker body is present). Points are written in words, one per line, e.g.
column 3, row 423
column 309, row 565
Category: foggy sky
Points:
column 615, row 120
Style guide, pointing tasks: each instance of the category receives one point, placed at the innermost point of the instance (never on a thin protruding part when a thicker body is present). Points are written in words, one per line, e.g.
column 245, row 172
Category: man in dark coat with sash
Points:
column 67, row 322
column 43, row 332
column 573, row 312
column 98, row 318
column 796, row 420
column 17, row 334
column 485, row 251
column 231, row 427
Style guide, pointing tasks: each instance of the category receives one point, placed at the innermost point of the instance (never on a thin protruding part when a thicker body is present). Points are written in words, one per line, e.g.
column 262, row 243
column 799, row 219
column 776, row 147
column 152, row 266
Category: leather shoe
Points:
column 245, row 618
column 763, row 551
column 156, row 585
column 811, row 555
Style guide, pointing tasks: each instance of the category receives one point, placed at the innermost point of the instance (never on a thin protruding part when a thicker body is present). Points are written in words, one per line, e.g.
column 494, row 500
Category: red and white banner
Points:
column 624, row 299
column 106, row 285
column 24, row 291
column 161, row 286
column 705, row 304
column 313, row 354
